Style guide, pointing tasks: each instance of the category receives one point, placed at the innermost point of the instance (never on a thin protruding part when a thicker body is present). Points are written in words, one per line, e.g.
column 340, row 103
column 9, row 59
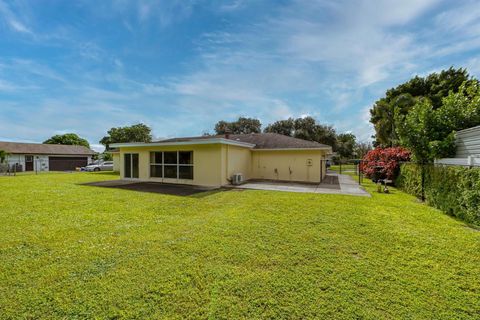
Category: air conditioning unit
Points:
column 237, row 179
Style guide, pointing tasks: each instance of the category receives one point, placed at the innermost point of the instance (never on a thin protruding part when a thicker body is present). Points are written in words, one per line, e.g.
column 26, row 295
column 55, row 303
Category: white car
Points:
column 104, row 166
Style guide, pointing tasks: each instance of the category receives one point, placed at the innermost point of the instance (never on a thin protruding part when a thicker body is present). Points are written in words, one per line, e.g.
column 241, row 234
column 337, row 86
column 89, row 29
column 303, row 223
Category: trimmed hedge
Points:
column 454, row 190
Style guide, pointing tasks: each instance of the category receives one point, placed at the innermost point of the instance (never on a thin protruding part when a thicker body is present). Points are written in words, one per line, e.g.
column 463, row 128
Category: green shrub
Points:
column 454, row 190
column 410, row 180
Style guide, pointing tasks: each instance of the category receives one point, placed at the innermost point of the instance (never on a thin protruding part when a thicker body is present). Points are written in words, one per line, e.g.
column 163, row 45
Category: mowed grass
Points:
column 345, row 167
column 72, row 251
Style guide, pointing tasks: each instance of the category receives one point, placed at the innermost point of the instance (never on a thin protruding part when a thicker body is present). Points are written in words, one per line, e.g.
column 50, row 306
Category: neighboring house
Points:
column 46, row 157
column 468, row 148
column 213, row 160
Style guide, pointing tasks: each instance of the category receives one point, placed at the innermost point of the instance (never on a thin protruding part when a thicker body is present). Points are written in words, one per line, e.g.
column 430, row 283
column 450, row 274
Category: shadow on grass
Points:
column 106, row 173
column 209, row 193
column 158, row 188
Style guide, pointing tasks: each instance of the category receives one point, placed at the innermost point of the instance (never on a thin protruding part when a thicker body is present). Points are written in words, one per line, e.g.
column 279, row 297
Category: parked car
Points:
column 104, row 166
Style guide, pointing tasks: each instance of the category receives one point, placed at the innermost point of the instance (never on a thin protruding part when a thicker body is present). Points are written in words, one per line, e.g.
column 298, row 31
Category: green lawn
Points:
column 72, row 251
column 345, row 167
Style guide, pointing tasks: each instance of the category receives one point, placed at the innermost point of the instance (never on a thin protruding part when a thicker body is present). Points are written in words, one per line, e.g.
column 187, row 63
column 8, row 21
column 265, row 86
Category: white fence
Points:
column 467, row 162
column 468, row 142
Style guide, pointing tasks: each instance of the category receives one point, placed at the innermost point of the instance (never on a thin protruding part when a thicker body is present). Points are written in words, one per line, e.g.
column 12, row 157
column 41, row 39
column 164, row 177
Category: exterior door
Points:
column 28, row 163
column 131, row 165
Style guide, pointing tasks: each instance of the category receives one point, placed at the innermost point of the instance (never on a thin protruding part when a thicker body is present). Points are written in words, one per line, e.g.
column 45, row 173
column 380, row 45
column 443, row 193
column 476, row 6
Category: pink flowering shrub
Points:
column 384, row 163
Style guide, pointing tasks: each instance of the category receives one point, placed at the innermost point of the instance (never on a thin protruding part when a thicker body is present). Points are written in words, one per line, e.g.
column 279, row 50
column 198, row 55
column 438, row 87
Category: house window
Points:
column 171, row 164
column 156, row 164
column 185, row 164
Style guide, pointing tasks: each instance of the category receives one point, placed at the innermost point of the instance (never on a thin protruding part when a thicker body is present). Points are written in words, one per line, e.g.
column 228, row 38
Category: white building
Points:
column 45, row 157
column 468, row 148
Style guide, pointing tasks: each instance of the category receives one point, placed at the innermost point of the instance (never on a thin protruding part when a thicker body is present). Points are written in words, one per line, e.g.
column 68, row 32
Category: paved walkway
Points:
column 333, row 184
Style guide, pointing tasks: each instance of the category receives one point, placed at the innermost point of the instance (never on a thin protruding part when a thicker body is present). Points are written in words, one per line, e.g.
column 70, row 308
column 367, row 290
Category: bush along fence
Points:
column 452, row 189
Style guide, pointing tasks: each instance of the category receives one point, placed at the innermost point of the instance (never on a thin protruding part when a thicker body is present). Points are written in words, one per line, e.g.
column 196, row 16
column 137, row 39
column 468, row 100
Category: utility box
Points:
column 237, row 179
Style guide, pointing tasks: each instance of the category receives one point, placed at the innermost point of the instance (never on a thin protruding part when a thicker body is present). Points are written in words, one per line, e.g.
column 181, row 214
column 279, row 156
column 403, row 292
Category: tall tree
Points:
column 68, row 139
column 362, row 148
column 285, row 127
column 327, row 135
column 3, row 156
column 241, row 126
column 401, row 99
column 305, row 128
column 346, row 145
column 429, row 132
column 107, row 156
column 135, row 133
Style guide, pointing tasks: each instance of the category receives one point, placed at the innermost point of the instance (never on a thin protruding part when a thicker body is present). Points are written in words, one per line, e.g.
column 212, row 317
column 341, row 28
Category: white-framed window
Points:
column 171, row 164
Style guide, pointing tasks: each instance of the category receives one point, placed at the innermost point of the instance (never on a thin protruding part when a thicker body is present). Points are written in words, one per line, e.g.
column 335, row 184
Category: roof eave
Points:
column 293, row 149
column 51, row 153
column 183, row 143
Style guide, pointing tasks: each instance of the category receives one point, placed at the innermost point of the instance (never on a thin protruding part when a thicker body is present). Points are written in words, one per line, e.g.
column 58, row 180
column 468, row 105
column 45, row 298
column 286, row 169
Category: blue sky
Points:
column 180, row 66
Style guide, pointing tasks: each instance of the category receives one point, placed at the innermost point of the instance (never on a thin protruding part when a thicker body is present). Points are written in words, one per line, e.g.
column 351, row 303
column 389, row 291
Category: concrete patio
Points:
column 333, row 183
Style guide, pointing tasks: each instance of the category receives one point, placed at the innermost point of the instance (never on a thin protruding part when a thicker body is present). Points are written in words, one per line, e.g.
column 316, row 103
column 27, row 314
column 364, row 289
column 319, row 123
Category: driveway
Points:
column 333, row 183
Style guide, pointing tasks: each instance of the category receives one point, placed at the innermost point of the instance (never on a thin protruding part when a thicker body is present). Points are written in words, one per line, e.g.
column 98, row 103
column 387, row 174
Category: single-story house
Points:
column 116, row 158
column 467, row 143
column 216, row 160
column 46, row 157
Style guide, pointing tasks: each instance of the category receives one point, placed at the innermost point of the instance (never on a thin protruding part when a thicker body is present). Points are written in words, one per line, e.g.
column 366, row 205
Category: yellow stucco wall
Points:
column 207, row 161
column 288, row 165
column 116, row 162
column 235, row 160
column 214, row 164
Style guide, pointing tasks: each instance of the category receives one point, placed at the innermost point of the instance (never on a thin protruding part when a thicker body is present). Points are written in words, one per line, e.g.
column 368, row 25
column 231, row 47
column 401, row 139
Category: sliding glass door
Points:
column 131, row 165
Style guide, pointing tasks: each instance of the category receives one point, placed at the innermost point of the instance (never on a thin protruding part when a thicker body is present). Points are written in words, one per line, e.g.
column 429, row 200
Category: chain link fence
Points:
column 12, row 168
column 349, row 166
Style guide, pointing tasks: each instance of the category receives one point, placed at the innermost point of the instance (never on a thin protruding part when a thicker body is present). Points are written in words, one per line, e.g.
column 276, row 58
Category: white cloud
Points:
column 358, row 40
column 310, row 49
column 97, row 147
column 6, row 86
column 464, row 17
column 232, row 5
column 473, row 66
column 310, row 57
column 158, row 12
column 12, row 20
column 31, row 67
column 357, row 123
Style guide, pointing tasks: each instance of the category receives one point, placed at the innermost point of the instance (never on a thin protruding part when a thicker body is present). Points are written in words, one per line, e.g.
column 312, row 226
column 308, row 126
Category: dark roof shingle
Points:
column 38, row 148
column 262, row 141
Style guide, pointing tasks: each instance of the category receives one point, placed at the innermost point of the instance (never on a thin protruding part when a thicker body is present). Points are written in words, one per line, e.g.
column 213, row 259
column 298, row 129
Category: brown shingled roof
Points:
column 262, row 141
column 37, row 148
